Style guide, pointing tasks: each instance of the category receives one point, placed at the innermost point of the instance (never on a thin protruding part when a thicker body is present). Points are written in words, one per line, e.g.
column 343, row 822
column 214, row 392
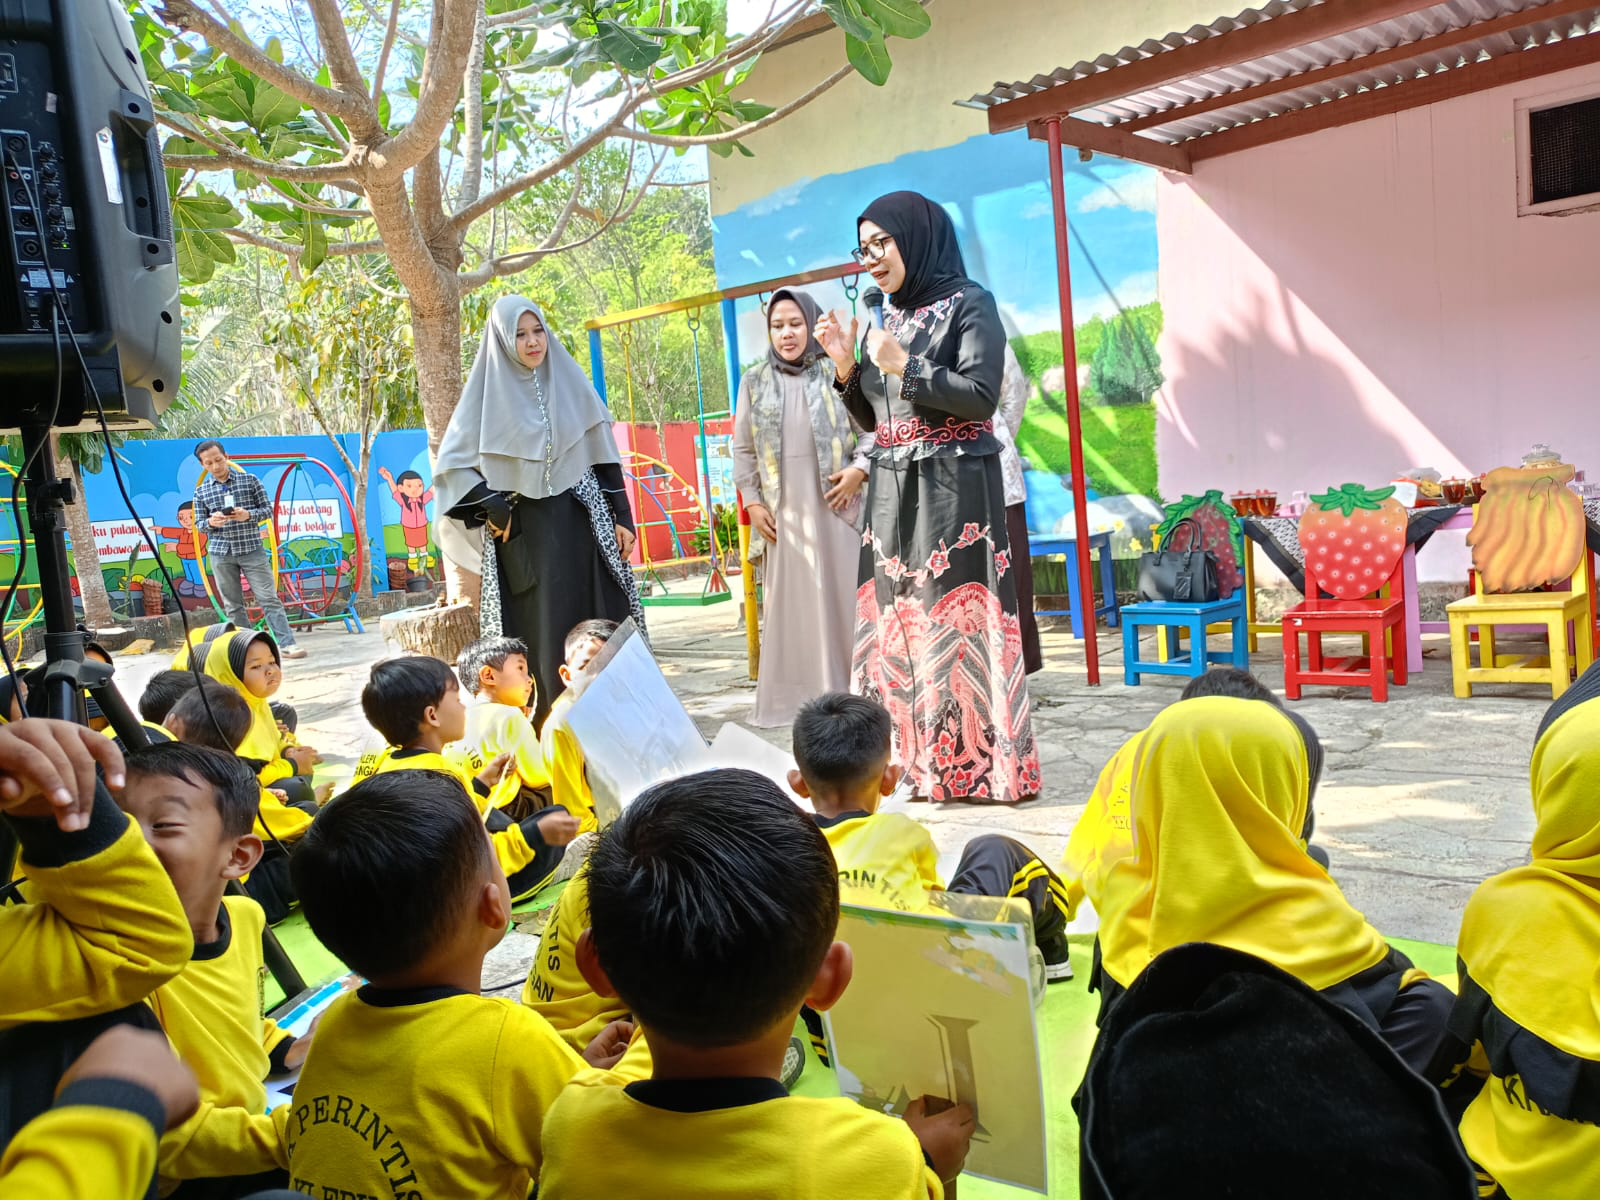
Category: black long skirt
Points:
column 938, row 635
column 552, row 576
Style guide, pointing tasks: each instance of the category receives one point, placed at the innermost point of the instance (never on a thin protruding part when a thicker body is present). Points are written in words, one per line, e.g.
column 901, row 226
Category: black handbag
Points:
column 1184, row 576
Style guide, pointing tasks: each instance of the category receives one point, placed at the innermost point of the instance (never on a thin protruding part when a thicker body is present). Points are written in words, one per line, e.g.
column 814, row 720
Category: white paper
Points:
column 296, row 1018
column 632, row 727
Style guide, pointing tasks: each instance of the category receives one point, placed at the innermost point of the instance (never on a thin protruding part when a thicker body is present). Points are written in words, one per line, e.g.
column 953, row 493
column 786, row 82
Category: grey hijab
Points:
column 500, row 433
column 811, row 311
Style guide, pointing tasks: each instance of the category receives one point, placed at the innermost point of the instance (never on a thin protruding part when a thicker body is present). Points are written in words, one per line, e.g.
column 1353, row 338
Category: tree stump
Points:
column 442, row 631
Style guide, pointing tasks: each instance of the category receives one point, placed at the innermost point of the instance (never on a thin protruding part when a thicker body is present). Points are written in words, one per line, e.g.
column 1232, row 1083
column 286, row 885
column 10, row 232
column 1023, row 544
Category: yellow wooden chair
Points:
column 1556, row 611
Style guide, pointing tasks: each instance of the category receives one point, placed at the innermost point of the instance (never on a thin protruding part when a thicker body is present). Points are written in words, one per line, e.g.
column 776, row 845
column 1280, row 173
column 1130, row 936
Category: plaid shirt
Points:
column 238, row 537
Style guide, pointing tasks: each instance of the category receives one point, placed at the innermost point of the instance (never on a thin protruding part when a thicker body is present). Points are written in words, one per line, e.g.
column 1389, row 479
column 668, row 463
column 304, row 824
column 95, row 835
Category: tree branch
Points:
column 442, row 72
column 231, row 157
column 188, row 17
column 288, row 249
column 311, row 206
column 430, row 287
column 472, row 88
column 383, row 54
column 740, row 131
column 515, row 15
column 539, row 174
column 343, row 70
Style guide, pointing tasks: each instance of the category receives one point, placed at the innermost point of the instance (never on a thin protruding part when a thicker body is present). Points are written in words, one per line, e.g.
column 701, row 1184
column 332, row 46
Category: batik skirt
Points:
column 938, row 639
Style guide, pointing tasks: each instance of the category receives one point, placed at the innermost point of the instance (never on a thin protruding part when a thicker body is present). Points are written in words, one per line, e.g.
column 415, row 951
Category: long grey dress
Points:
column 808, row 612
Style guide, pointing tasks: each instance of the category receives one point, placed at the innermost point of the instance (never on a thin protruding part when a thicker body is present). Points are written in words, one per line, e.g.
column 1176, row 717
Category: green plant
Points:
column 725, row 519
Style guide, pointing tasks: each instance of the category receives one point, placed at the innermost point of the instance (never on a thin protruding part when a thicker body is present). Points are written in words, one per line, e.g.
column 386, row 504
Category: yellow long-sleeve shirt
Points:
column 98, row 1140
column 105, row 928
column 284, row 821
column 427, row 1092
column 563, row 764
column 885, row 860
column 212, row 1015
column 556, row 989
column 722, row 1138
column 494, row 729
column 511, row 846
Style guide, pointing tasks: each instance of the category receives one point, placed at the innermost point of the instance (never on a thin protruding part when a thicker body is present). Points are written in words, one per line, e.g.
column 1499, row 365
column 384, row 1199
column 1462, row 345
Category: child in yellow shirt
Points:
column 563, row 757
column 713, row 905
column 495, row 670
column 415, row 702
column 196, row 807
column 418, row 1085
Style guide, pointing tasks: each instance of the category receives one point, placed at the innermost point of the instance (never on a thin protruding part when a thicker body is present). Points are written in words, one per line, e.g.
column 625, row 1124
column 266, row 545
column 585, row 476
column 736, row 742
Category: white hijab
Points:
column 497, row 434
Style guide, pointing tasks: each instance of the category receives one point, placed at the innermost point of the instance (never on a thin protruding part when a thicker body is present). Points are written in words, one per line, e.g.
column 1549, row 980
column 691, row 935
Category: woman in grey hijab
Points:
column 529, row 458
column 799, row 462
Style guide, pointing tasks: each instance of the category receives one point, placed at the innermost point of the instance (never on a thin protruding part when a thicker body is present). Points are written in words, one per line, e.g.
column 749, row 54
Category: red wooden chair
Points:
column 1354, row 542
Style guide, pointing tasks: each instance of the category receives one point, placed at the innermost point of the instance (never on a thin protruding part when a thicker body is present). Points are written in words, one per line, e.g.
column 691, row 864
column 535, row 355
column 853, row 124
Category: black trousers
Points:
column 546, row 859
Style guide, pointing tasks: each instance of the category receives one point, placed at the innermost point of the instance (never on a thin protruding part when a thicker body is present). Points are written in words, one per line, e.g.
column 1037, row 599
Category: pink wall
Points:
column 1350, row 303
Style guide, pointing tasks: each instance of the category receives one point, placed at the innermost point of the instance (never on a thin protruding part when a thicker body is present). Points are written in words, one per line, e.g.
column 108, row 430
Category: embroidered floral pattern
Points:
column 915, row 429
column 926, row 317
column 948, row 667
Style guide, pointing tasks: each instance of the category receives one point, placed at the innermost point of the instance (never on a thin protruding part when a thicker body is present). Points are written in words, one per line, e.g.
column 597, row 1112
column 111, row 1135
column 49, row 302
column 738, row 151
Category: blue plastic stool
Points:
column 1168, row 617
column 1044, row 545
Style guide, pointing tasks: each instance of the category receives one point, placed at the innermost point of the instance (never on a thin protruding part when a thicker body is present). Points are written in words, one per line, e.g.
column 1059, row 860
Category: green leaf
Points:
column 629, row 50
column 1348, row 497
column 273, row 50
column 197, row 224
column 849, row 16
column 898, row 18
column 870, row 58
column 272, row 107
column 223, row 98
column 276, row 214
column 749, row 110
column 314, row 240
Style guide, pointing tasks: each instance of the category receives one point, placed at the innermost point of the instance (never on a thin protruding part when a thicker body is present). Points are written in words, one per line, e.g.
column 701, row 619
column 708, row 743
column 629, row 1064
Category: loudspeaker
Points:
column 84, row 209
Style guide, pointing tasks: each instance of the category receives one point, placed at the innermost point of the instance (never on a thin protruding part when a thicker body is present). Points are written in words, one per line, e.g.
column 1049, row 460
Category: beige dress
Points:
column 808, row 615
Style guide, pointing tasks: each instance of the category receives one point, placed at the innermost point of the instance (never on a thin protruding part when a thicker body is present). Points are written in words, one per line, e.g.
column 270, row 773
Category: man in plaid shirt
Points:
column 230, row 505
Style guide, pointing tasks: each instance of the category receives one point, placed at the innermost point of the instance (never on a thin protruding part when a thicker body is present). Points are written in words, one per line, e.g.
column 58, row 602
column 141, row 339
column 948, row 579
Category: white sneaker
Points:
column 293, row 652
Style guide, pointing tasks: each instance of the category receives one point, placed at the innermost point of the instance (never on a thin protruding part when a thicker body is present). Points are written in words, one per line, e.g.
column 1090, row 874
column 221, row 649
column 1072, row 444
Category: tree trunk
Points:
column 86, row 559
column 358, row 584
column 441, row 631
column 436, row 338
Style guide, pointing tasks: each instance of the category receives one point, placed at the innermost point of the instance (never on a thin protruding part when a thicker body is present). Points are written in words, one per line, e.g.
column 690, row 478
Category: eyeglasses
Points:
column 872, row 251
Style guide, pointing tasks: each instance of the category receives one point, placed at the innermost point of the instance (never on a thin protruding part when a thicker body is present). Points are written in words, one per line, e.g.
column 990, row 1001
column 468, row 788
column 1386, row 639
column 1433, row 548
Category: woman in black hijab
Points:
column 938, row 638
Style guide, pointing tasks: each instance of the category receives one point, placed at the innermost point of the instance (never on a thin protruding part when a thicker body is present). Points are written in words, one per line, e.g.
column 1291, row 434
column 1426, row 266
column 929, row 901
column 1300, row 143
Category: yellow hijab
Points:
column 1218, row 796
column 201, row 636
column 224, row 661
column 1103, row 834
column 1531, row 935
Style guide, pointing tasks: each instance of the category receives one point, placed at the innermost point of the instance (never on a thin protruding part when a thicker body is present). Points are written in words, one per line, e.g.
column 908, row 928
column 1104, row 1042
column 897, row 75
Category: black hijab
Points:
column 927, row 241
column 812, row 312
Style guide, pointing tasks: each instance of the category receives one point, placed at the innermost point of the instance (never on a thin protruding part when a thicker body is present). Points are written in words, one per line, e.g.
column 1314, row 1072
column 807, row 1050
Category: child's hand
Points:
column 47, row 769
column 557, row 828
column 295, row 1056
column 140, row 1056
column 609, row 1045
column 490, row 775
column 945, row 1137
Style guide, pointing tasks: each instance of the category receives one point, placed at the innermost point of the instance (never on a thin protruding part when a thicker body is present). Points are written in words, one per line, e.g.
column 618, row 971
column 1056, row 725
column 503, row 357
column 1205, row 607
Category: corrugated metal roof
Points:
column 1350, row 49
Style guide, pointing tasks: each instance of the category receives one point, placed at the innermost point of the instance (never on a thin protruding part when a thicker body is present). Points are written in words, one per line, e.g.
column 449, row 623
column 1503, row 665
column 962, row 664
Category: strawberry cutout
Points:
column 1352, row 537
column 1220, row 532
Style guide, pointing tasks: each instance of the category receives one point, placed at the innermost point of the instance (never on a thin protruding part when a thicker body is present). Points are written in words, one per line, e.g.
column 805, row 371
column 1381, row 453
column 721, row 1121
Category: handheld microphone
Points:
column 873, row 299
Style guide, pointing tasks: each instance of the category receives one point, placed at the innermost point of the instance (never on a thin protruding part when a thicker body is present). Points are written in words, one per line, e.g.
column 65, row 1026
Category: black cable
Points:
column 58, row 315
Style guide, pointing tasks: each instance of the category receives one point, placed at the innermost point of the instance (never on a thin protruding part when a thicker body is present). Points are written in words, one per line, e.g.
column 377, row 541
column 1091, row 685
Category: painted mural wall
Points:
column 997, row 193
column 1348, row 304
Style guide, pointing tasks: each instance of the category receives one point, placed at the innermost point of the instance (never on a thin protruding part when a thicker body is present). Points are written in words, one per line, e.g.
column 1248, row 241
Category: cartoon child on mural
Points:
column 413, row 496
column 188, row 544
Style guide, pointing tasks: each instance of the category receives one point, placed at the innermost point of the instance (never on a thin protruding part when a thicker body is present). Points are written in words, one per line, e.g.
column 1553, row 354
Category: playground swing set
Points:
column 653, row 482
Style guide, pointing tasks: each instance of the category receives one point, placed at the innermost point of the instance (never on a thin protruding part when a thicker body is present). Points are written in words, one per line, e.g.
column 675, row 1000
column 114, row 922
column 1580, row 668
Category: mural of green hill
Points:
column 1119, row 440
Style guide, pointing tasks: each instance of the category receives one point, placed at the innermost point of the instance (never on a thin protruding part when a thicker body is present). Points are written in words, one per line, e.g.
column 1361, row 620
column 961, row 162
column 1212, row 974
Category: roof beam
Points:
column 1209, row 54
column 1356, row 66
column 1415, row 93
column 1104, row 139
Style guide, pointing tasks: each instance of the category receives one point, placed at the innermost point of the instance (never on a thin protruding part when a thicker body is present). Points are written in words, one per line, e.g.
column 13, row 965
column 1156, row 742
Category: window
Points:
column 1558, row 152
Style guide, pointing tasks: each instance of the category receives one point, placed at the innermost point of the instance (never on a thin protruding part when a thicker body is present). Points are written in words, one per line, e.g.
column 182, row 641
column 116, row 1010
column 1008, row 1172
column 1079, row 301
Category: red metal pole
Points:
column 1069, row 360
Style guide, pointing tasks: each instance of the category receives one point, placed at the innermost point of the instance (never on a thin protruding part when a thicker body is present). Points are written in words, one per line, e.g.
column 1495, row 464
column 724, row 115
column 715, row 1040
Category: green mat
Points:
column 1066, row 1035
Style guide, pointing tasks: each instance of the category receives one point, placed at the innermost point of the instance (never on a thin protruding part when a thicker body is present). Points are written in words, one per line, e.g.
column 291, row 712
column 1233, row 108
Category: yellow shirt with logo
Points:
column 563, row 764
column 886, row 860
column 556, row 989
column 724, row 1140
column 424, row 1093
column 494, row 729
